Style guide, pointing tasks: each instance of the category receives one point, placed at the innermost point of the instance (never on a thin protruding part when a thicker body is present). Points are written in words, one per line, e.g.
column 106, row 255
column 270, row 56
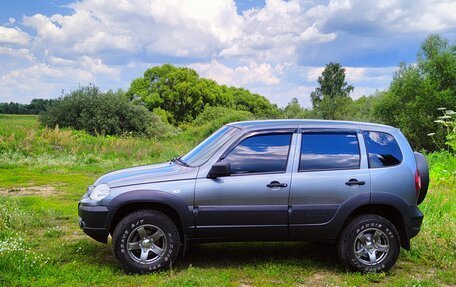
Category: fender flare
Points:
column 374, row 198
column 400, row 205
column 145, row 196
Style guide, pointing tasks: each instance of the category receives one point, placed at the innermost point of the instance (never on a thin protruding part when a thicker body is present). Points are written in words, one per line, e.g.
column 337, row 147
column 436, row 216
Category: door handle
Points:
column 355, row 182
column 274, row 184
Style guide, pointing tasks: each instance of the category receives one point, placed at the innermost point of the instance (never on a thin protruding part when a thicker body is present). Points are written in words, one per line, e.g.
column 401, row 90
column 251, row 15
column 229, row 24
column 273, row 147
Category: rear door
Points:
column 252, row 203
column 328, row 171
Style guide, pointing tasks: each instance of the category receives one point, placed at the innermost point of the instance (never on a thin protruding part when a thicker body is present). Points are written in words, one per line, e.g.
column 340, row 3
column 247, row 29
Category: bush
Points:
column 110, row 113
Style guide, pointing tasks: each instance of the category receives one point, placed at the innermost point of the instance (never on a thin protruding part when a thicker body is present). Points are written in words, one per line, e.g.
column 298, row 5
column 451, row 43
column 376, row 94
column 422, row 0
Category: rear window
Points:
column 383, row 149
column 329, row 151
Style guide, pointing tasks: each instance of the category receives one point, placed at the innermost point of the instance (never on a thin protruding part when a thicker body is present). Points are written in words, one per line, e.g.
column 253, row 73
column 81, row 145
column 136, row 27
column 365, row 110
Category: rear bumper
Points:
column 93, row 220
column 414, row 224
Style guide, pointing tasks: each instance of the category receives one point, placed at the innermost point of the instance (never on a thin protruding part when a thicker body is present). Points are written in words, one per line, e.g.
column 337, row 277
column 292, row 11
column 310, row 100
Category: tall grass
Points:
column 29, row 144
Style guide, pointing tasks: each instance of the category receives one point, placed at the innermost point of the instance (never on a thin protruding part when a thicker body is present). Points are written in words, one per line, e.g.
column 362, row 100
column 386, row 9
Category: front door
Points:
column 252, row 203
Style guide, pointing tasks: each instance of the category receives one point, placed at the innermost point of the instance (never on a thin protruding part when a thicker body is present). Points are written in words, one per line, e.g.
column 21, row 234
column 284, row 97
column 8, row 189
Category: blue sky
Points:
column 273, row 47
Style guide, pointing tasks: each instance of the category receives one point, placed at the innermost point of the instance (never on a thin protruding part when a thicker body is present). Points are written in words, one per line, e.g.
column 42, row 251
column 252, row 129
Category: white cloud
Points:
column 174, row 28
column 378, row 17
column 276, row 49
column 46, row 80
column 273, row 33
column 239, row 76
column 13, row 36
column 17, row 53
column 355, row 74
column 312, row 34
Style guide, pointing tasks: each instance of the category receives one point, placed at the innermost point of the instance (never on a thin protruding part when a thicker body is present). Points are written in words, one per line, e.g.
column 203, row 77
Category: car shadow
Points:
column 237, row 254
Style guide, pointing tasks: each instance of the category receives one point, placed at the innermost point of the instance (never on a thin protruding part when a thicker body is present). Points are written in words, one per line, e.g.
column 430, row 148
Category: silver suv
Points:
column 356, row 185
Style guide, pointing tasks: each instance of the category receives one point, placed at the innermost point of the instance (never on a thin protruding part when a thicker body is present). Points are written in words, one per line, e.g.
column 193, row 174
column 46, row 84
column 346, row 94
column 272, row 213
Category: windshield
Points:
column 202, row 152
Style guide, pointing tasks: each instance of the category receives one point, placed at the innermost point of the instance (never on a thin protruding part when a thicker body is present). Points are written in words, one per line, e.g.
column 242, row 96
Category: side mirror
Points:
column 220, row 169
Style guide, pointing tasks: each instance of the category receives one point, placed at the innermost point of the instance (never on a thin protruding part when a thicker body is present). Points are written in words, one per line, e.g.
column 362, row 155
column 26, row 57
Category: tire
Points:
column 369, row 243
column 146, row 241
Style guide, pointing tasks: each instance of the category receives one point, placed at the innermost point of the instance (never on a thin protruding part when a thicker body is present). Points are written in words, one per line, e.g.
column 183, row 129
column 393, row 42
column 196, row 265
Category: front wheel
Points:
column 145, row 241
column 369, row 243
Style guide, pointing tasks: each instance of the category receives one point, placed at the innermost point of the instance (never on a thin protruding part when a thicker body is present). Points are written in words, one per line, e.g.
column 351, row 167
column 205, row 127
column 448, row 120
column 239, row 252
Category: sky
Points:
column 275, row 48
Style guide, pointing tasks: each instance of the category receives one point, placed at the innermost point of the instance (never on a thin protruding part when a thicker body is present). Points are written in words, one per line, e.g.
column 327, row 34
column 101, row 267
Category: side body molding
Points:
column 145, row 197
column 329, row 231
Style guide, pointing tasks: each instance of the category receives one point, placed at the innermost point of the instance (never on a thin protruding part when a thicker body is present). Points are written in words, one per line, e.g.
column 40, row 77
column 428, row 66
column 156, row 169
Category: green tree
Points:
column 362, row 108
column 332, row 98
column 294, row 110
column 418, row 90
column 178, row 95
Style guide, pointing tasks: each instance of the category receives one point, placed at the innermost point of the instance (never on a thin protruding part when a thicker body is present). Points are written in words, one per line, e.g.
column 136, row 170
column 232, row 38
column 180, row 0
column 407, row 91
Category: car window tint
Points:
column 382, row 148
column 329, row 151
column 261, row 153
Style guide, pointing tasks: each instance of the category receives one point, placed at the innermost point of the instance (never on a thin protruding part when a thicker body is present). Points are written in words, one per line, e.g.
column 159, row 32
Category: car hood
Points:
column 147, row 174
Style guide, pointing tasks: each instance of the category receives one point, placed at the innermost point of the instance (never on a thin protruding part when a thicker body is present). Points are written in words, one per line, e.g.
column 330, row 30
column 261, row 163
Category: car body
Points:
column 271, row 180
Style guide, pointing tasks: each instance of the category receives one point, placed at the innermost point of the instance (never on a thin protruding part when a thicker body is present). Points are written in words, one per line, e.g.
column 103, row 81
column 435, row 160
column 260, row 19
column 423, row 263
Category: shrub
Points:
column 448, row 122
column 109, row 113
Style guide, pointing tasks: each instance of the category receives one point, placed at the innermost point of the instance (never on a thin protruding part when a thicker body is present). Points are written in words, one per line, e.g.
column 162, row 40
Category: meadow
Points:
column 44, row 172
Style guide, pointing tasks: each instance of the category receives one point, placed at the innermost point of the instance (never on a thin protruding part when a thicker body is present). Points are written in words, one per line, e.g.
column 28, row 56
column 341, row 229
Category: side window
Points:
column 329, row 151
column 382, row 148
column 261, row 153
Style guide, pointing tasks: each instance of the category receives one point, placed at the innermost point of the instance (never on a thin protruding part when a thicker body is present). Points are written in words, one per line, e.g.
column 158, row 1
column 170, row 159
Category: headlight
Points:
column 100, row 191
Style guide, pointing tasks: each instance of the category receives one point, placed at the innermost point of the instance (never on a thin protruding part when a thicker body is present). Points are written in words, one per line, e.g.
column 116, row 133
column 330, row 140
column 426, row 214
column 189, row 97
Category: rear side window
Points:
column 329, row 151
column 383, row 149
column 261, row 153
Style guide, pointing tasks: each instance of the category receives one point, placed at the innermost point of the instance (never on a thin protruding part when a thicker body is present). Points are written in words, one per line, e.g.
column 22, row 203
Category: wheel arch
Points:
column 389, row 206
column 169, row 204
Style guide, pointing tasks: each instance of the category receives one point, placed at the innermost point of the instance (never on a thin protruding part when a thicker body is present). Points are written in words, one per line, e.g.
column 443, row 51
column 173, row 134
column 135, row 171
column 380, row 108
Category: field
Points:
column 44, row 172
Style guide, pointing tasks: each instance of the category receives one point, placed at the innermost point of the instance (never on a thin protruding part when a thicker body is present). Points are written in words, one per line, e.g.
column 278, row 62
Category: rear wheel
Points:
column 369, row 243
column 145, row 241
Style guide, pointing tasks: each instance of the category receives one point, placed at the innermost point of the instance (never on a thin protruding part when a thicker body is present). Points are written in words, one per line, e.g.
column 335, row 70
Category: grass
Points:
column 44, row 172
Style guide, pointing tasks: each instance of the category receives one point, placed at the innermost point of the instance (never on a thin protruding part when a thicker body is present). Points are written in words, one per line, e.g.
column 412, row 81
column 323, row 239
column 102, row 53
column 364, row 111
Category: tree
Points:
column 294, row 111
column 417, row 91
column 36, row 107
column 331, row 99
column 362, row 108
column 178, row 94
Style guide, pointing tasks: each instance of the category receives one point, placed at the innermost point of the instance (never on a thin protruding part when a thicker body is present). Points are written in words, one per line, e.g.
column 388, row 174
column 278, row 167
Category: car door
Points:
column 252, row 202
column 330, row 170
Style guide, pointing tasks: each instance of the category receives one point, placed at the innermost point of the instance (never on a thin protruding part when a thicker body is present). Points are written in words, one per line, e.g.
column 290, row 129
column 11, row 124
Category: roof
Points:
column 309, row 124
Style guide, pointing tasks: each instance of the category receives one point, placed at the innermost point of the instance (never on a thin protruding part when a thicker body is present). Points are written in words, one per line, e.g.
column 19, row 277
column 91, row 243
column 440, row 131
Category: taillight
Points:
column 417, row 183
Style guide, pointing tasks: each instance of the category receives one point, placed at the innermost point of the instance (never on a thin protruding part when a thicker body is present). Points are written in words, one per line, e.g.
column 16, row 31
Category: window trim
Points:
column 367, row 150
column 329, row 131
column 250, row 134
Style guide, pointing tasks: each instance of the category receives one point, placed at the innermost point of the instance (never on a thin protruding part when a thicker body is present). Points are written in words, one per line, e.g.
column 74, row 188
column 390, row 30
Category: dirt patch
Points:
column 45, row 190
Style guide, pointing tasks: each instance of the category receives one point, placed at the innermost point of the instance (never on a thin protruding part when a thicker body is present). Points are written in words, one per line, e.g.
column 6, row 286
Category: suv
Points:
column 353, row 184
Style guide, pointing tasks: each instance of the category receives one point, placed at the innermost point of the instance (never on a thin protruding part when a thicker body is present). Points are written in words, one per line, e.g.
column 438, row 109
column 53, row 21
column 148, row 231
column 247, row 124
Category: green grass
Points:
column 44, row 172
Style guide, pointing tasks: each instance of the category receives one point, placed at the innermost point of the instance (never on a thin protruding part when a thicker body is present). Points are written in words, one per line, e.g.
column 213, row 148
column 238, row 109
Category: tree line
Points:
column 35, row 107
column 166, row 98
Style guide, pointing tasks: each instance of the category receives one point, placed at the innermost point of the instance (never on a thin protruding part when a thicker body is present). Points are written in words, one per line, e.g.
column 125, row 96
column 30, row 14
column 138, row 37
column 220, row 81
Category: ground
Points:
column 44, row 172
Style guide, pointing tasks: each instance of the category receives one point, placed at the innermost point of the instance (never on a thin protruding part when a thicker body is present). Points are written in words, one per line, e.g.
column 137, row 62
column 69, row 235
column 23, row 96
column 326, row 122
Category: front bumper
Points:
column 94, row 221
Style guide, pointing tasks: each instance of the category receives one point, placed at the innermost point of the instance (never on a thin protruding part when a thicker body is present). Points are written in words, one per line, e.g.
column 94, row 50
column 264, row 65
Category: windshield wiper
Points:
column 179, row 160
